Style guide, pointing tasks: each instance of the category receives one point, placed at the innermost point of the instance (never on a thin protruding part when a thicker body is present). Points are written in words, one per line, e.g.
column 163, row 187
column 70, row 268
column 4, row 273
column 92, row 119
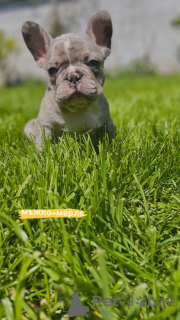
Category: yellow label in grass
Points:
column 51, row 213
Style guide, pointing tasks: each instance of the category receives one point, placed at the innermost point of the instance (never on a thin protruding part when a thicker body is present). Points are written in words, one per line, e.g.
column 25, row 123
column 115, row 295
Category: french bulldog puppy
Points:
column 74, row 100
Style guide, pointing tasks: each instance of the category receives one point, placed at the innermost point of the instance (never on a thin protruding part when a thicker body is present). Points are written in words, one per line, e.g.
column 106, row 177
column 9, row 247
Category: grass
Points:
column 129, row 243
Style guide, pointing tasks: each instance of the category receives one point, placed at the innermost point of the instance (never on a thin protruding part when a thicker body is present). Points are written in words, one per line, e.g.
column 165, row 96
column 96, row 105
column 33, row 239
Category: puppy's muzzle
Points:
column 74, row 79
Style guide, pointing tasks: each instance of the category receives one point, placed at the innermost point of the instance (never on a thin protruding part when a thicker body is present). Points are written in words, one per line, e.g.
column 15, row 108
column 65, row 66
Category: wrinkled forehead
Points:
column 72, row 48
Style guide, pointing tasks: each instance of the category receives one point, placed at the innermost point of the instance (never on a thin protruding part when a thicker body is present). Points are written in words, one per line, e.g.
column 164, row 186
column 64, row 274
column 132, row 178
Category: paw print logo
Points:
column 141, row 303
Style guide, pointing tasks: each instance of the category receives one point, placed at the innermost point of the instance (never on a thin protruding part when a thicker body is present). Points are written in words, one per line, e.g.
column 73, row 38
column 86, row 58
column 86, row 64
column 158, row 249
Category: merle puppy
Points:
column 74, row 100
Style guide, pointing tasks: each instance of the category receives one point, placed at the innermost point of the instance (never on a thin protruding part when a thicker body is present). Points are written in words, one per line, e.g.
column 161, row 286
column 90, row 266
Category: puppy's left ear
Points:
column 100, row 30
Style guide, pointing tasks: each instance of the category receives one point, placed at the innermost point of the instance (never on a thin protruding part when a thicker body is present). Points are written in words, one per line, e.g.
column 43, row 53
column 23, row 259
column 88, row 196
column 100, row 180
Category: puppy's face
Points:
column 76, row 68
column 74, row 62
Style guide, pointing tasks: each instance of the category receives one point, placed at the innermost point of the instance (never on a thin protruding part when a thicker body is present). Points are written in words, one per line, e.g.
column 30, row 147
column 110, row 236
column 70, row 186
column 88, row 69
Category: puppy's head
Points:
column 75, row 62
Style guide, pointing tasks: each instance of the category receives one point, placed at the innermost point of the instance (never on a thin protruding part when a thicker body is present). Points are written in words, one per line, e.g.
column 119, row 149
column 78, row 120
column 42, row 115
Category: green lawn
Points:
column 129, row 243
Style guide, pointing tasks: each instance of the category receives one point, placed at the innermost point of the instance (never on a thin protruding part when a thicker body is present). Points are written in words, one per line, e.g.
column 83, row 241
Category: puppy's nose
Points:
column 73, row 78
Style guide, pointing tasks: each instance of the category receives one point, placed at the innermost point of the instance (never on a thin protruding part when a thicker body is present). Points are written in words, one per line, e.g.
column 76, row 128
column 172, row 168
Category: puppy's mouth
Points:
column 77, row 92
column 76, row 97
column 77, row 101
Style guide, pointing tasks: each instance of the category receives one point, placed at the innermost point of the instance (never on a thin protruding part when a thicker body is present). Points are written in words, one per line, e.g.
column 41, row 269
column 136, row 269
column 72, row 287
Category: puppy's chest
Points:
column 81, row 122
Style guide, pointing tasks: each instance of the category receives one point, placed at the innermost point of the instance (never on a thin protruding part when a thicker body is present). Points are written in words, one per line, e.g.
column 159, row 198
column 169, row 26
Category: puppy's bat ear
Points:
column 37, row 41
column 100, row 30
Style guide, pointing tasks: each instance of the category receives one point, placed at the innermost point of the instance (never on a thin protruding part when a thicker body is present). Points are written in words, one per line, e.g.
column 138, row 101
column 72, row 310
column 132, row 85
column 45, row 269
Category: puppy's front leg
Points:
column 48, row 130
column 111, row 129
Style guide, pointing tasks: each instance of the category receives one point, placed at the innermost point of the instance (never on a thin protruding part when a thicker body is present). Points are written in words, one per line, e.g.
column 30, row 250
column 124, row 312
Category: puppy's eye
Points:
column 93, row 64
column 52, row 71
